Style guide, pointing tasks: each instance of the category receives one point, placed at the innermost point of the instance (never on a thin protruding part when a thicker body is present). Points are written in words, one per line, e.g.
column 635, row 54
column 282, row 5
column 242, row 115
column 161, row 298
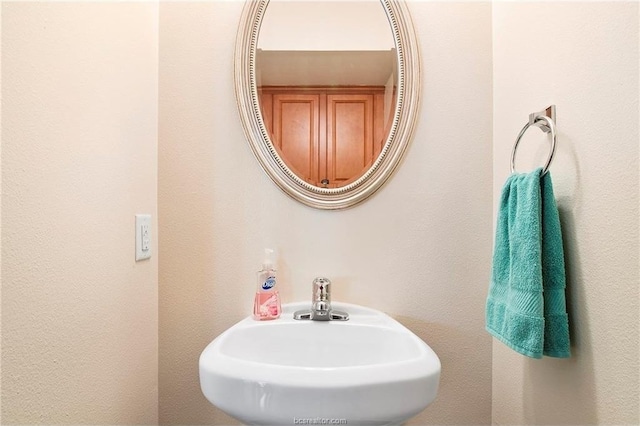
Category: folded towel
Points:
column 526, row 306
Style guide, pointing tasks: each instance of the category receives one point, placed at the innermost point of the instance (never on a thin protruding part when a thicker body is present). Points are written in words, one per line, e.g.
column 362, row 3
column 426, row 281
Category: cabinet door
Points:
column 296, row 122
column 350, row 137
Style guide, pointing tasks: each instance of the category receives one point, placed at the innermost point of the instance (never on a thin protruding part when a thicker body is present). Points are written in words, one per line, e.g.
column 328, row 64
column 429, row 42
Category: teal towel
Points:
column 526, row 307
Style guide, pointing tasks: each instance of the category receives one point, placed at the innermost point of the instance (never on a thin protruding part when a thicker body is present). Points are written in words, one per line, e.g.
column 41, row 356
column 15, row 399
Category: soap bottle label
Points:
column 269, row 283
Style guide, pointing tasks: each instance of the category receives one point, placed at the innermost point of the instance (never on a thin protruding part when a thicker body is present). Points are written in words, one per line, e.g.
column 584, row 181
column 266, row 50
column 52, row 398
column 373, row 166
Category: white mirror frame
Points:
column 400, row 134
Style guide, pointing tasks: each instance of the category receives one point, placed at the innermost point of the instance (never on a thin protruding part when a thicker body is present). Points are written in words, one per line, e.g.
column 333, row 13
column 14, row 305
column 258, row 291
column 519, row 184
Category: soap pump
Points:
column 266, row 304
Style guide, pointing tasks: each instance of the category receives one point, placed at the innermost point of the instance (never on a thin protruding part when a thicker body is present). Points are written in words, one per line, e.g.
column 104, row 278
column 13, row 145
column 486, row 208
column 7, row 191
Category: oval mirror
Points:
column 328, row 94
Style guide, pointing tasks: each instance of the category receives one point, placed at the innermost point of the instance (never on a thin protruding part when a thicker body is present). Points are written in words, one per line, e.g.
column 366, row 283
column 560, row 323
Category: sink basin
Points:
column 370, row 370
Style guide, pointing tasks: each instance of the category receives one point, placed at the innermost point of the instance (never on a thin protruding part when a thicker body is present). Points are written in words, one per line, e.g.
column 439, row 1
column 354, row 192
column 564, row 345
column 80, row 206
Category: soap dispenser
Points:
column 266, row 305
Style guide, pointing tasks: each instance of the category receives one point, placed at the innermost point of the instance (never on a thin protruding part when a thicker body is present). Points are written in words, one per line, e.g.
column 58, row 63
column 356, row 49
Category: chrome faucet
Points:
column 321, row 304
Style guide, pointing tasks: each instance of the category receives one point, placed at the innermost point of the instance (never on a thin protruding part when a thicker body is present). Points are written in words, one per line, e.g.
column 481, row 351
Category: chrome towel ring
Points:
column 545, row 120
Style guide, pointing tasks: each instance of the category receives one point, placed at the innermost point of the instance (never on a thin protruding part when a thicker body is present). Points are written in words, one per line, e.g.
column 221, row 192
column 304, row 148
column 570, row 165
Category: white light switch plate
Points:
column 143, row 236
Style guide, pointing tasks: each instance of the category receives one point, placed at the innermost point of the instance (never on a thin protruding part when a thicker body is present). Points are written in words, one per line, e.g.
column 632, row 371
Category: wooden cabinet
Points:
column 325, row 134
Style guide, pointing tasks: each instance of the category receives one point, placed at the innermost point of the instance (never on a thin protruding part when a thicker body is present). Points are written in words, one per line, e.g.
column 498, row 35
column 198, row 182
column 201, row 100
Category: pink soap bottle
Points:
column 266, row 305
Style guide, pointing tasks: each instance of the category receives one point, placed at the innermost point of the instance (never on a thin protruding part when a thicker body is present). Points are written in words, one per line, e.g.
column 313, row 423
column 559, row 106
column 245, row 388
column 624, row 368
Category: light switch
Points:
column 143, row 236
column 146, row 239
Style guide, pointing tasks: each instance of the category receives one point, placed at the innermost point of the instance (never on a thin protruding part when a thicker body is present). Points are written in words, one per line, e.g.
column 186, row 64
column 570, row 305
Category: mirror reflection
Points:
column 326, row 73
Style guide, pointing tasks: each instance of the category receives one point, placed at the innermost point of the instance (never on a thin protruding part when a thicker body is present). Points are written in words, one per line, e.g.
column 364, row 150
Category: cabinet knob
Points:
column 325, row 182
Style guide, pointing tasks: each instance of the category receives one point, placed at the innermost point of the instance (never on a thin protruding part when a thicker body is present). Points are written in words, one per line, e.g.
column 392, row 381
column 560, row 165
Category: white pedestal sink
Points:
column 370, row 370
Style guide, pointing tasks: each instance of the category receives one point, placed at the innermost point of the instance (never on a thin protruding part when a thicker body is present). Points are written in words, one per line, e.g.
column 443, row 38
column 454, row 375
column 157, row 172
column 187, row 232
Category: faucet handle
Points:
column 321, row 304
column 321, row 290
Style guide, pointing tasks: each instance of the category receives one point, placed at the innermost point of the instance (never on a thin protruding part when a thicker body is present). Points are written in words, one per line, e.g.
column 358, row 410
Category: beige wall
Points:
column 79, row 160
column 84, row 88
column 419, row 249
column 583, row 57
column 0, row 213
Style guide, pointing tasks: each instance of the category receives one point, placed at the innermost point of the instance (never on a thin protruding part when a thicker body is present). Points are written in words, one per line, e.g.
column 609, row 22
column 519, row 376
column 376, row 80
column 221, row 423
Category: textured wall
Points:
column 79, row 337
column 79, row 160
column 419, row 249
column 583, row 57
column 0, row 210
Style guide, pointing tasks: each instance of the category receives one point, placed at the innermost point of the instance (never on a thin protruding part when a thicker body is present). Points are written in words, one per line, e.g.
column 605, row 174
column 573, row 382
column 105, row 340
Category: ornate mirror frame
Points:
column 400, row 134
